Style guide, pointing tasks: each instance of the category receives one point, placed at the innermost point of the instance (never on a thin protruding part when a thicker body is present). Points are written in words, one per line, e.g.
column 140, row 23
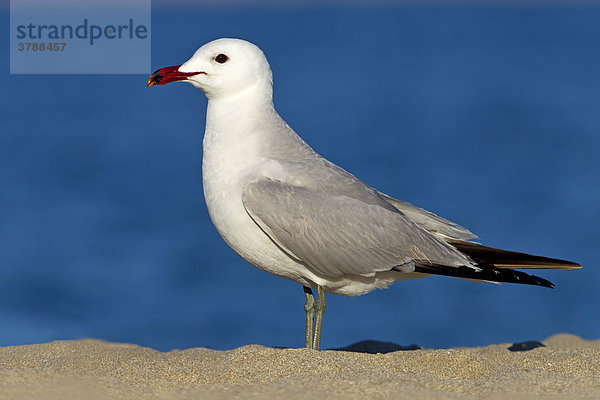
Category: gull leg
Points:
column 309, row 307
column 320, row 308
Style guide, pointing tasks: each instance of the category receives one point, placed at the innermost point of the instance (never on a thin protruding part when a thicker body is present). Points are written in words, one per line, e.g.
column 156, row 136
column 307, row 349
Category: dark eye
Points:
column 221, row 58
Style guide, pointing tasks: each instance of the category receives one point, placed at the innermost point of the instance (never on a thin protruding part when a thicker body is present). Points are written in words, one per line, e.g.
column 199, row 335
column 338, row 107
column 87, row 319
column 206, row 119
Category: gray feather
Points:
column 431, row 222
column 335, row 234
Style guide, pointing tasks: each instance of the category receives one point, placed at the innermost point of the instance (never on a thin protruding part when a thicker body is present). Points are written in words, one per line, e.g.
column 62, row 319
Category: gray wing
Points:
column 330, row 178
column 432, row 223
column 335, row 234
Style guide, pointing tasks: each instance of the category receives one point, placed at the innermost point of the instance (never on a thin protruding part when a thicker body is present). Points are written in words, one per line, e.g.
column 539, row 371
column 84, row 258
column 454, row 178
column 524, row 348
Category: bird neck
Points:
column 240, row 110
column 240, row 121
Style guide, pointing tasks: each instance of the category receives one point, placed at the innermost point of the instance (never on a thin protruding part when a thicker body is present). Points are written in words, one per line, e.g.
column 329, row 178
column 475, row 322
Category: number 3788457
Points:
column 50, row 46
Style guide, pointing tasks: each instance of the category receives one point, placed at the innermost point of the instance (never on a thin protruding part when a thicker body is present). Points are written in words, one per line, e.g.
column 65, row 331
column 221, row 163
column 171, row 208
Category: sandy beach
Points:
column 567, row 367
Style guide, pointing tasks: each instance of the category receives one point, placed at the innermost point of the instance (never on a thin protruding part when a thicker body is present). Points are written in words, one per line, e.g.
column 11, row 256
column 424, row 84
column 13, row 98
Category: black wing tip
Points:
column 484, row 273
column 541, row 282
column 510, row 259
column 515, row 276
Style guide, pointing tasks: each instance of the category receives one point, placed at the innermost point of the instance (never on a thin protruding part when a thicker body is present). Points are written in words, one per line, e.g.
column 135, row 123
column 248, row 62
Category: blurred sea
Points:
column 486, row 115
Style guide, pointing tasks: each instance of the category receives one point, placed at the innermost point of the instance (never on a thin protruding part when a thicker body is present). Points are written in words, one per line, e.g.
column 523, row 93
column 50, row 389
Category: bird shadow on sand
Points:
column 375, row 346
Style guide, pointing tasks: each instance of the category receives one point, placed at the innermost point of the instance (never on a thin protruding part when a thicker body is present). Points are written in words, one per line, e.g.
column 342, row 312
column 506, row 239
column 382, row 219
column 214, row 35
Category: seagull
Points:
column 288, row 211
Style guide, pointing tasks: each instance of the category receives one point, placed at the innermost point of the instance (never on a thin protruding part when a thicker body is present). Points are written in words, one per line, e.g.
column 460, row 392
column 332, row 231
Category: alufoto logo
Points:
column 84, row 31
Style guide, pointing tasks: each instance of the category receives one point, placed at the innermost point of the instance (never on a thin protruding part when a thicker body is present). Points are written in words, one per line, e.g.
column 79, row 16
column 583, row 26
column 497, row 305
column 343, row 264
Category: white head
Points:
column 221, row 68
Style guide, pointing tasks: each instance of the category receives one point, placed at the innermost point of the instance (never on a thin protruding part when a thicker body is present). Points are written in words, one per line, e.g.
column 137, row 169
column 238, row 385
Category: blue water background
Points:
column 488, row 116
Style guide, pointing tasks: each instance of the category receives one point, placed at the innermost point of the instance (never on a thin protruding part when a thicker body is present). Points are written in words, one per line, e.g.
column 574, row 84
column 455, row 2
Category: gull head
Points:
column 221, row 68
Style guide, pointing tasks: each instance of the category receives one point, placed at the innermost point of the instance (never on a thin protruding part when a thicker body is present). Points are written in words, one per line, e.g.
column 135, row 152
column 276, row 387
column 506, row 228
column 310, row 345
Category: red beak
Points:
column 169, row 74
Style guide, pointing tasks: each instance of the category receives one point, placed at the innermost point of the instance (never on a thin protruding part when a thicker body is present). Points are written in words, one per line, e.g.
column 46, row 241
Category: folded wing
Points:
column 510, row 259
column 432, row 223
column 335, row 235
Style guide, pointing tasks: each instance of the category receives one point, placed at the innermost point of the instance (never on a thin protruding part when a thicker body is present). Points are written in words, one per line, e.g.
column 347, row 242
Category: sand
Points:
column 566, row 368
